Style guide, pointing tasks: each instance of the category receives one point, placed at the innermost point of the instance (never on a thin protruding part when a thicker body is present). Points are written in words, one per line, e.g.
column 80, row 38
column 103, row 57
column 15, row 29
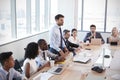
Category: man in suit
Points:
column 70, row 46
column 93, row 34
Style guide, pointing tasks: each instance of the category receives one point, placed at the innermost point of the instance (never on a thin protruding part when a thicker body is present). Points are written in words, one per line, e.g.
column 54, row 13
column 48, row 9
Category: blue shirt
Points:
column 55, row 38
column 12, row 74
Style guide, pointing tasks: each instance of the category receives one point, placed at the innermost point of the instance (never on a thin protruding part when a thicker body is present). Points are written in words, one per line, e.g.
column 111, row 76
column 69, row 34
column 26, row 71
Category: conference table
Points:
column 80, row 71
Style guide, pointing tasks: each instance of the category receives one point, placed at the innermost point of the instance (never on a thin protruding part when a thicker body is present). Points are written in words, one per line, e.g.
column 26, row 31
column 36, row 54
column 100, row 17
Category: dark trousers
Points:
column 55, row 51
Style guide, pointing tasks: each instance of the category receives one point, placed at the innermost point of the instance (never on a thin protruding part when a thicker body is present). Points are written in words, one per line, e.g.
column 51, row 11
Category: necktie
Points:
column 8, row 76
column 61, row 38
column 44, row 56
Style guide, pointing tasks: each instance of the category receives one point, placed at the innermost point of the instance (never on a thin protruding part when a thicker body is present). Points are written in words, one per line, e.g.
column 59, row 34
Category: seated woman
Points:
column 114, row 35
column 73, row 38
column 30, row 66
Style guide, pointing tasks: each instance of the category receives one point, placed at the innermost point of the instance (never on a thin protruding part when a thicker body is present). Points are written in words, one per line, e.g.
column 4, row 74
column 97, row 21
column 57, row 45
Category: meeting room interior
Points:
column 59, row 40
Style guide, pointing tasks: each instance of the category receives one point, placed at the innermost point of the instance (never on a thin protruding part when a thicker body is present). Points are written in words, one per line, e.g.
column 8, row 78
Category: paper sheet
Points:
column 45, row 76
column 116, row 76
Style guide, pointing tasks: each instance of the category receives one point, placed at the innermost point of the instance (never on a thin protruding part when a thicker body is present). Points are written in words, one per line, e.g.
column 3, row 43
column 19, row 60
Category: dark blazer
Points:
column 70, row 46
column 98, row 35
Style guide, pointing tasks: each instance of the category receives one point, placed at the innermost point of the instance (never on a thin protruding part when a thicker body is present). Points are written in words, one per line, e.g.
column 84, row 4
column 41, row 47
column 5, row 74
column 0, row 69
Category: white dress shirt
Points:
column 75, row 41
column 12, row 74
column 55, row 38
column 40, row 60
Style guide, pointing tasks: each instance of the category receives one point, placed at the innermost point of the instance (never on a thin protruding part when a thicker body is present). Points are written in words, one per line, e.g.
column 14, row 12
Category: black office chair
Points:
column 107, row 40
column 17, row 66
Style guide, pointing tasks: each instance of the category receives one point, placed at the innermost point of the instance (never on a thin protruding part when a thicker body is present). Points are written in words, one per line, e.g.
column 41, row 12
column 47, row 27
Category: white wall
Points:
column 17, row 47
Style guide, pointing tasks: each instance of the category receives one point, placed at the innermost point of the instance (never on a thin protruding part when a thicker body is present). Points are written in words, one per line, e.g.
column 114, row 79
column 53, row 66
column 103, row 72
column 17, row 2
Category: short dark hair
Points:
column 92, row 26
column 58, row 16
column 4, row 56
column 73, row 30
column 40, row 41
column 66, row 31
column 31, row 50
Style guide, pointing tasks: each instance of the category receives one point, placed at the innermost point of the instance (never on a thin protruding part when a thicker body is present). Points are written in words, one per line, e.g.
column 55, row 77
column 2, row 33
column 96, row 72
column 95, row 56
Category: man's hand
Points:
column 62, row 53
column 66, row 50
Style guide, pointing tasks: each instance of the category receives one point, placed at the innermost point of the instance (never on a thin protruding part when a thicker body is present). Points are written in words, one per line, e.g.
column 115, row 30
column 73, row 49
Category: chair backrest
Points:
column 17, row 66
column 107, row 40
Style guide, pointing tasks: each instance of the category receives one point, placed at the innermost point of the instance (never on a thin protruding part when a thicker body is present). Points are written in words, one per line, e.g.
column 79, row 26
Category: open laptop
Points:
column 83, row 60
column 96, row 41
column 57, row 69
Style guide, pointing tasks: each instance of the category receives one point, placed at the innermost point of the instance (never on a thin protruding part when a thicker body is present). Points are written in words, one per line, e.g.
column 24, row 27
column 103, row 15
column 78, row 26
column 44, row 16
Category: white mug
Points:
column 52, row 62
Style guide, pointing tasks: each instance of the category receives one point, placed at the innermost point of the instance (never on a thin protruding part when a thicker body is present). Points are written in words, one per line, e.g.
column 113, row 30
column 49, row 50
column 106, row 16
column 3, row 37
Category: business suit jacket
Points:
column 70, row 46
column 98, row 35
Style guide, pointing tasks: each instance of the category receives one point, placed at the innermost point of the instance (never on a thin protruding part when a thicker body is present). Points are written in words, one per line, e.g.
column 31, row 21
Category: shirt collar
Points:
column 57, row 26
column 4, row 70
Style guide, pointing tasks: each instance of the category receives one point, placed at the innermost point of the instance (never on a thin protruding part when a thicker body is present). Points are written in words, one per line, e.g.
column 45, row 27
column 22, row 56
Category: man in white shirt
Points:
column 45, row 55
column 57, row 45
column 7, row 72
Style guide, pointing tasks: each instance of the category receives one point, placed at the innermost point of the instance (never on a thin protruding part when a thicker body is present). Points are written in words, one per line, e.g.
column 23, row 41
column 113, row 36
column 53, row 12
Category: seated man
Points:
column 44, row 55
column 93, row 34
column 70, row 46
column 7, row 72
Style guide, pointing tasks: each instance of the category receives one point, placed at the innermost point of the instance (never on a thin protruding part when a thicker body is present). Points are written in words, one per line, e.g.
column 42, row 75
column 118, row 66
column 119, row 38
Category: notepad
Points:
column 43, row 76
column 81, row 59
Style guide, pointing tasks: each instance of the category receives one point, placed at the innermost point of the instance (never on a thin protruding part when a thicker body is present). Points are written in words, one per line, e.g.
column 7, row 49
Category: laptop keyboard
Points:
column 58, row 70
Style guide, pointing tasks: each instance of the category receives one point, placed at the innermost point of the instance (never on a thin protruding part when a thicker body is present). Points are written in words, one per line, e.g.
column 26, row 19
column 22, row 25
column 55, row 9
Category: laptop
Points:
column 96, row 41
column 57, row 69
column 83, row 60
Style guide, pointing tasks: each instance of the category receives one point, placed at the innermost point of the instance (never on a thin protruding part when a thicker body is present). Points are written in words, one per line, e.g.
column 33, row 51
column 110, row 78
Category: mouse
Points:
column 106, row 56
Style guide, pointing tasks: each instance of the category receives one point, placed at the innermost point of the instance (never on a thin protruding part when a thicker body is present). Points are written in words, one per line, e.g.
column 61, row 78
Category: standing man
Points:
column 57, row 45
column 93, row 34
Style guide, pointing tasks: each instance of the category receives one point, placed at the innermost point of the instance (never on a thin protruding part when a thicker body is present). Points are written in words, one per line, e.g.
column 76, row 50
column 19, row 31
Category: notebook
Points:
column 96, row 41
column 81, row 59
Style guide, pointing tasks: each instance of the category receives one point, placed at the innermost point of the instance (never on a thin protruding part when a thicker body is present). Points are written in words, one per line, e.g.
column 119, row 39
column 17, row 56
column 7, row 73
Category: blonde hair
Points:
column 114, row 29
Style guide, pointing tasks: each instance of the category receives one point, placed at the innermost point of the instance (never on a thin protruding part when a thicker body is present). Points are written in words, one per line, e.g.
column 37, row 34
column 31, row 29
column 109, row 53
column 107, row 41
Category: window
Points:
column 94, row 11
column 33, row 17
column 42, row 15
column 21, row 18
column 5, row 20
column 54, row 11
column 79, row 14
column 113, row 15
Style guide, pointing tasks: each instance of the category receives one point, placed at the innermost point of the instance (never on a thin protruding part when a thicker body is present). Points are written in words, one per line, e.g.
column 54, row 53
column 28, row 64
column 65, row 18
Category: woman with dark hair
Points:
column 31, row 52
column 74, row 39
